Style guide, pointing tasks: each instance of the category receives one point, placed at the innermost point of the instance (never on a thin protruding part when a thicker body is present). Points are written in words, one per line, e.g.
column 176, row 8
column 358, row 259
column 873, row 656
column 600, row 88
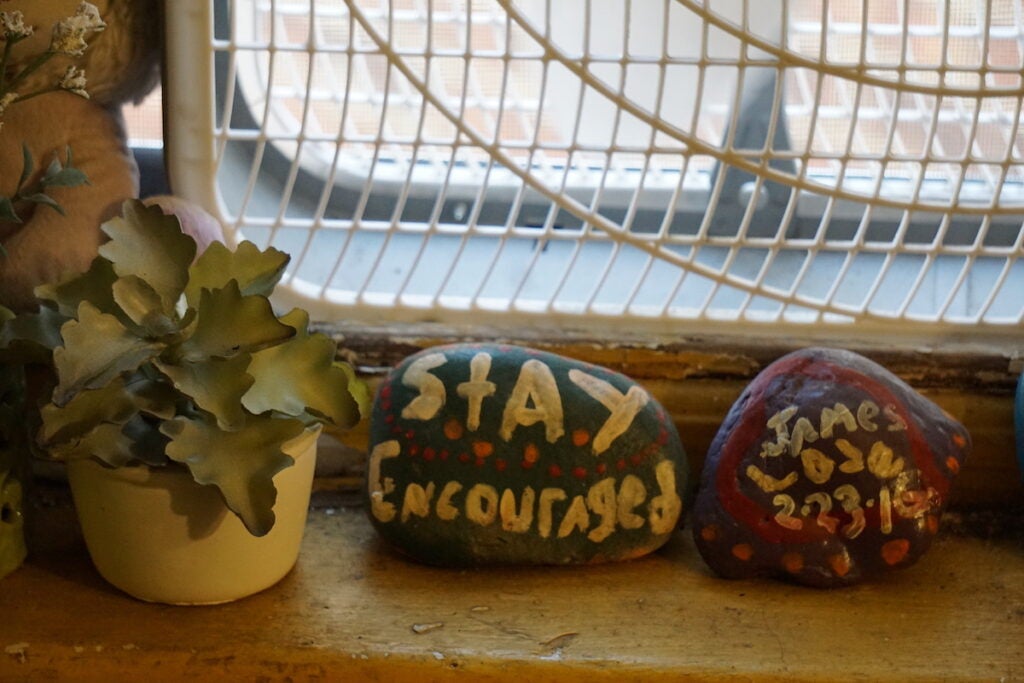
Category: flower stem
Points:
column 33, row 66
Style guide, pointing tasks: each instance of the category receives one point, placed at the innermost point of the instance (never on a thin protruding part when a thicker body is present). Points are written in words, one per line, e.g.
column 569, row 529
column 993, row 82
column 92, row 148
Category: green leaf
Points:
column 228, row 323
column 359, row 389
column 216, row 385
column 54, row 168
column 31, row 337
column 45, row 200
column 105, row 441
column 94, row 285
column 149, row 245
column 255, row 271
column 156, row 398
column 242, row 464
column 147, row 443
column 7, row 212
column 97, row 348
column 143, row 306
column 28, row 165
column 110, row 404
column 65, row 177
column 300, row 375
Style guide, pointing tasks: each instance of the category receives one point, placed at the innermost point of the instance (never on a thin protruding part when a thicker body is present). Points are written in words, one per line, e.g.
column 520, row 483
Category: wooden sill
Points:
column 352, row 610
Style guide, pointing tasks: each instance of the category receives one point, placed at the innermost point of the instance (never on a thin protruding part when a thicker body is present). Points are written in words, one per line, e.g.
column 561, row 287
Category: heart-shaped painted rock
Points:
column 828, row 470
column 492, row 454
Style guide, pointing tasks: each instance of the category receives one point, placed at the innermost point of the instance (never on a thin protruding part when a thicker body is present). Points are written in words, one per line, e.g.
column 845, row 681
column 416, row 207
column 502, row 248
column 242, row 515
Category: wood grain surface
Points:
column 353, row 610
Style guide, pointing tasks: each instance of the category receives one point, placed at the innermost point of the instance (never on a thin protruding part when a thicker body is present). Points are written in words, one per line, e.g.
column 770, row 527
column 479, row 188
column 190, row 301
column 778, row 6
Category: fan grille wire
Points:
column 648, row 161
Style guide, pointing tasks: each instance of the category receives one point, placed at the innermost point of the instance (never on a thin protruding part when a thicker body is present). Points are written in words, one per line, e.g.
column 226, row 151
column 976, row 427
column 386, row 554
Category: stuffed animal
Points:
column 119, row 62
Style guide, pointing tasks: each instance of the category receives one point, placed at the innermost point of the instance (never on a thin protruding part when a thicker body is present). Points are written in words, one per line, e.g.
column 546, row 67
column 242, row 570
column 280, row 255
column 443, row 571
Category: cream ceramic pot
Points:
column 157, row 535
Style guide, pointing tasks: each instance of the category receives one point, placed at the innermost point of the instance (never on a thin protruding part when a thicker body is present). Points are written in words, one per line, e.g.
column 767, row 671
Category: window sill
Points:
column 353, row 610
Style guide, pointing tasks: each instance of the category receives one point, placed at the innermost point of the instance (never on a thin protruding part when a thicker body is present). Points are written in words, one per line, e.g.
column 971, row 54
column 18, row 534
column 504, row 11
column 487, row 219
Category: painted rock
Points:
column 828, row 470
column 486, row 454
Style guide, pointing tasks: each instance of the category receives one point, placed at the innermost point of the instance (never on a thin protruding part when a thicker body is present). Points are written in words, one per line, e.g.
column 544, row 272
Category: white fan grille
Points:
column 657, row 161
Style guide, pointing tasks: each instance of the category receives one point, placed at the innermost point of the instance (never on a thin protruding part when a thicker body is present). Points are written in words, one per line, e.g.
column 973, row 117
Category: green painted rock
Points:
column 487, row 454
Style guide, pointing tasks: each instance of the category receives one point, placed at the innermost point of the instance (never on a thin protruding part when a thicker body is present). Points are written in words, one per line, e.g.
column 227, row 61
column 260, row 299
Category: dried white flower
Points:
column 13, row 24
column 6, row 101
column 73, row 80
column 69, row 34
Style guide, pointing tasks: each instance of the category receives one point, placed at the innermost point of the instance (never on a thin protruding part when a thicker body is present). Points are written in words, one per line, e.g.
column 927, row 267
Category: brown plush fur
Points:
column 120, row 64
column 48, row 245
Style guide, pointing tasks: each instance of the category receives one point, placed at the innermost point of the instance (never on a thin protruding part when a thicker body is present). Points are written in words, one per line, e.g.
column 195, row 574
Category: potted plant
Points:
column 180, row 396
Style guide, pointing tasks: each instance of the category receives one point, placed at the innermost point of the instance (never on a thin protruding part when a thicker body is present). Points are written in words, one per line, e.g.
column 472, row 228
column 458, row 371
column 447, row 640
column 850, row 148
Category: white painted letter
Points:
column 510, row 520
column 831, row 417
column 431, row 398
column 417, row 501
column 576, row 517
column 623, row 407
column 535, row 385
column 381, row 509
column 631, row 494
column 476, row 511
column 477, row 388
column 547, row 500
column 665, row 508
column 601, row 500
column 445, row 509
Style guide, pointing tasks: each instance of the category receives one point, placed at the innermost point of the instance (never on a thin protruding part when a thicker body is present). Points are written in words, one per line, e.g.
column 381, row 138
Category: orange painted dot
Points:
column 959, row 440
column 895, row 551
column 601, row 468
column 579, row 472
column 530, row 453
column 709, row 533
column 580, row 437
column 952, row 464
column 453, row 429
column 840, row 565
column 482, row 449
column 793, row 562
column 742, row 551
column 933, row 523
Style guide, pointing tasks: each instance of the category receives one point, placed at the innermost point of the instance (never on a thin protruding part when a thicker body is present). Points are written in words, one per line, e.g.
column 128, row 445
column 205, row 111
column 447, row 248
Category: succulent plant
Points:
column 163, row 358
